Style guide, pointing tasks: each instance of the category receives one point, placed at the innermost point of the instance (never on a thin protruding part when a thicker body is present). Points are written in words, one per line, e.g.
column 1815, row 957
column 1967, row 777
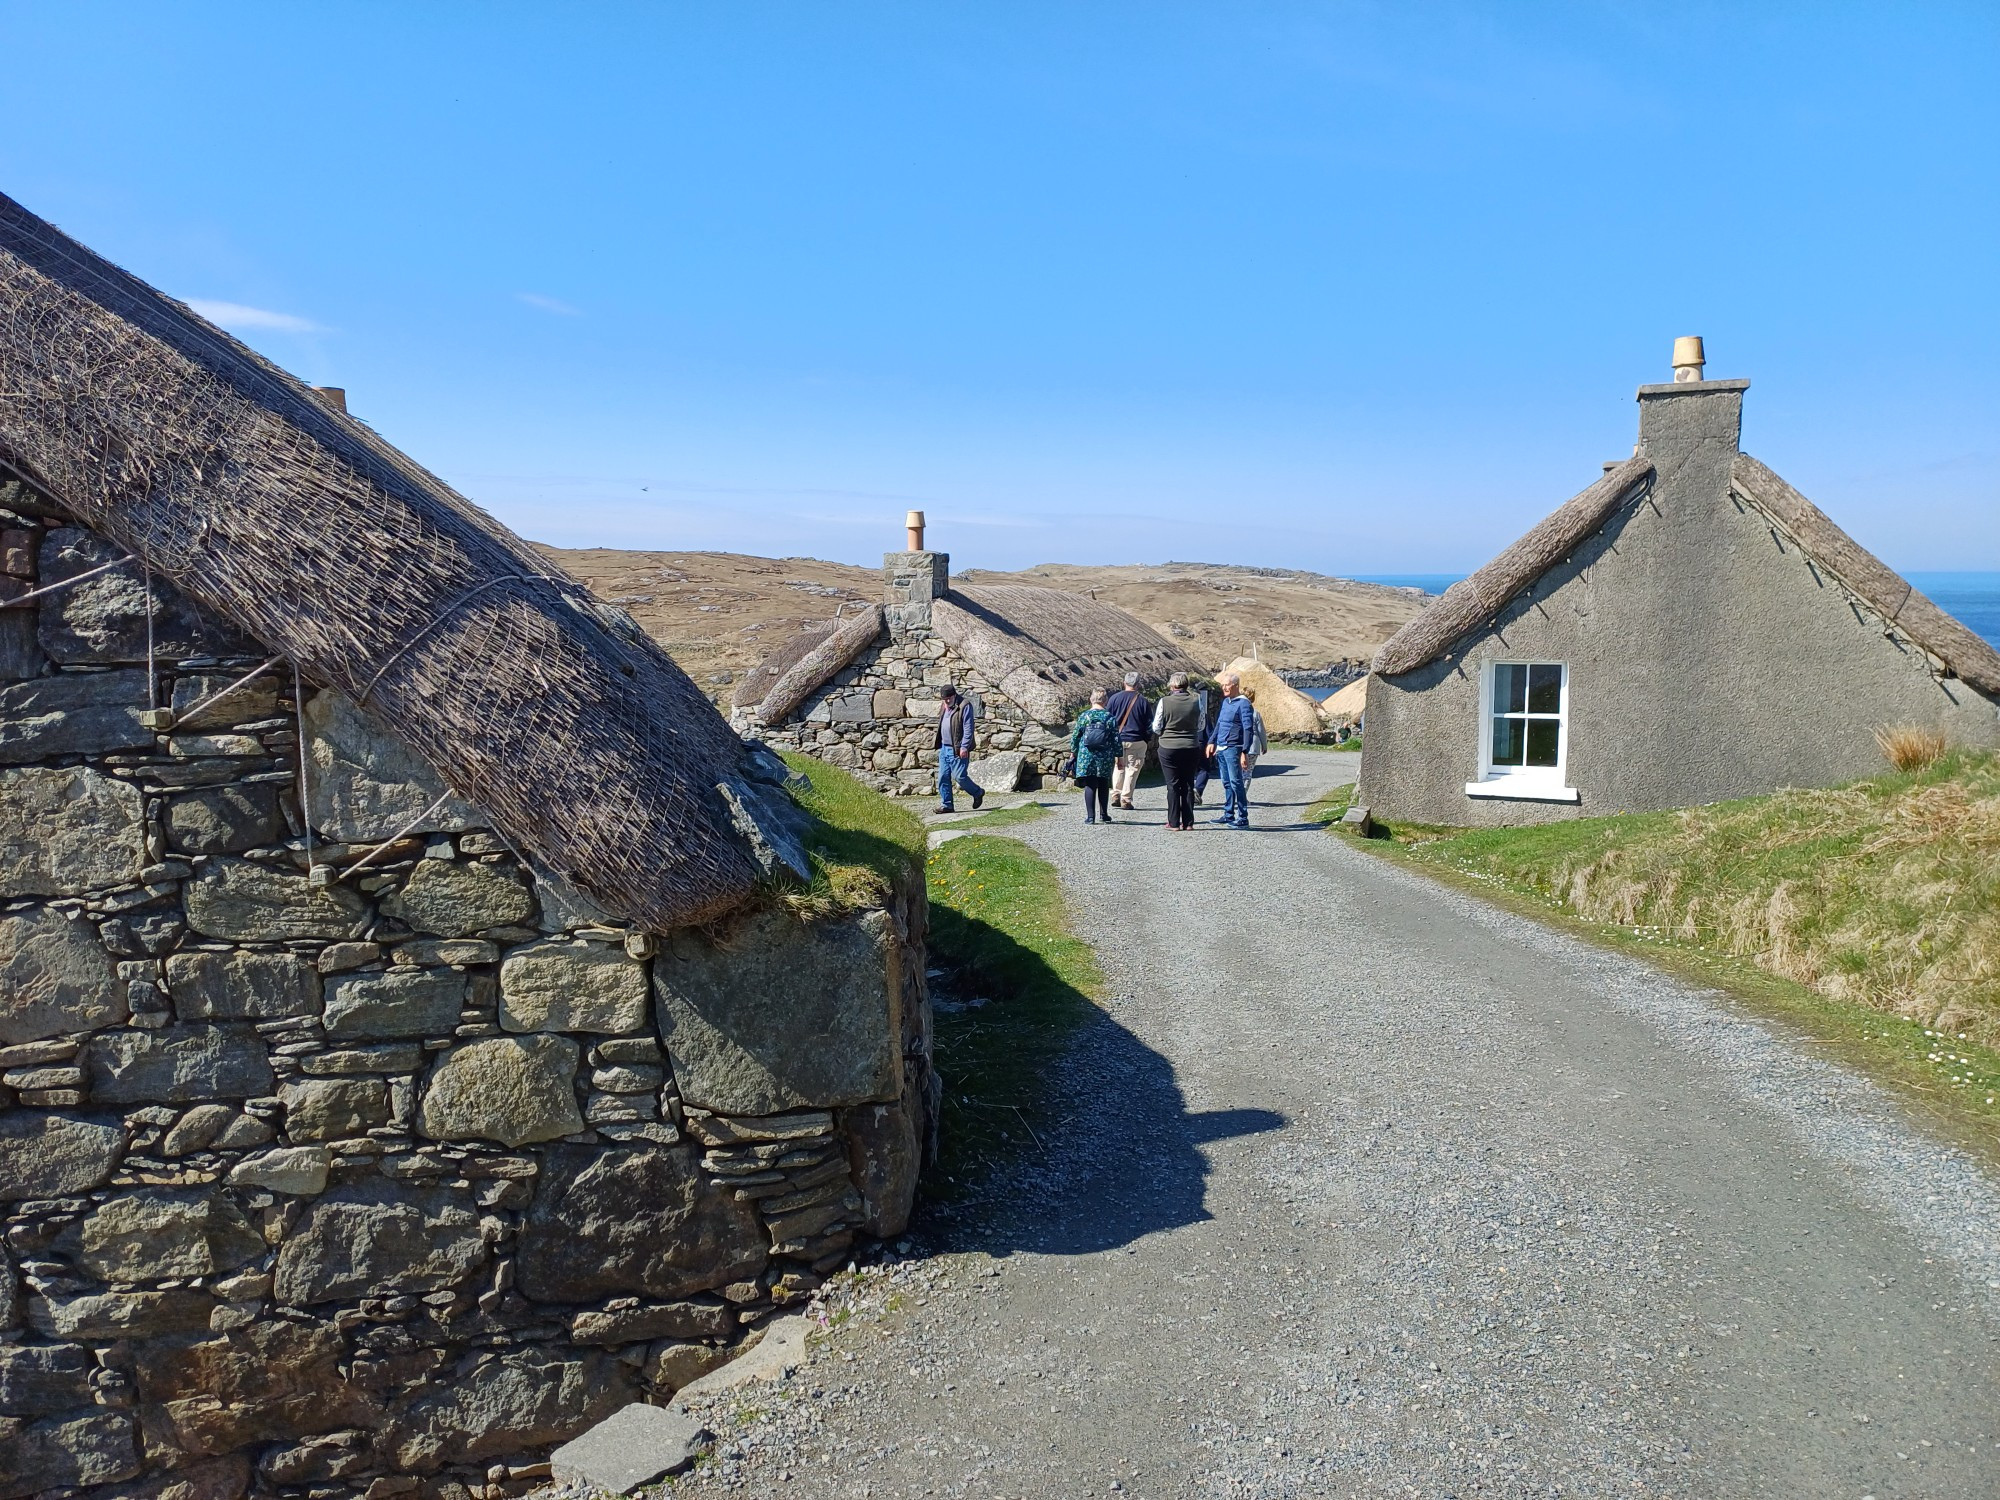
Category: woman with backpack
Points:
column 1093, row 743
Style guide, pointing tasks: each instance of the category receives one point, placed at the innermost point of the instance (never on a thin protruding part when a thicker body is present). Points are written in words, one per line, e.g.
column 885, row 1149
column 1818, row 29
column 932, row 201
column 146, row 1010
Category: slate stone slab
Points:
column 417, row 1002
column 508, row 1089
column 158, row 1234
column 20, row 649
column 242, row 901
column 241, row 986
column 299, row 1171
column 792, row 1015
column 86, row 1446
column 68, row 830
column 255, row 699
column 573, row 986
column 365, row 785
column 47, row 1155
column 120, row 1315
column 511, row 1401
column 104, row 618
column 37, row 1380
column 55, row 977
column 73, row 713
column 885, row 1155
column 662, row 1320
column 272, row 1381
column 376, row 1238
column 1004, row 771
column 225, row 819
column 635, row 1445
column 643, row 1221
column 177, row 1065
column 334, row 1109
column 449, row 899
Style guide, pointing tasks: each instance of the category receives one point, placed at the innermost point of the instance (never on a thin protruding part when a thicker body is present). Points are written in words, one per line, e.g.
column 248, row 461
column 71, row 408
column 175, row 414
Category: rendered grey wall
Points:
column 1708, row 658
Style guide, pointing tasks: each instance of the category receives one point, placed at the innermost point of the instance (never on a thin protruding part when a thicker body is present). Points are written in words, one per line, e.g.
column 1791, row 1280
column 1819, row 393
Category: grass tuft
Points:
column 1911, row 747
column 864, row 843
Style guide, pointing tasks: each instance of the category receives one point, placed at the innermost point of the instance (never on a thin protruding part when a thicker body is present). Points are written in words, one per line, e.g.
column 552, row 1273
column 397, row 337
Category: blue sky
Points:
column 1363, row 288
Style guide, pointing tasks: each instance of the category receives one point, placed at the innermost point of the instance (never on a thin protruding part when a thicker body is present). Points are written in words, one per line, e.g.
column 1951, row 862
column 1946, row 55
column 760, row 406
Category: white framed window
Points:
column 1524, row 732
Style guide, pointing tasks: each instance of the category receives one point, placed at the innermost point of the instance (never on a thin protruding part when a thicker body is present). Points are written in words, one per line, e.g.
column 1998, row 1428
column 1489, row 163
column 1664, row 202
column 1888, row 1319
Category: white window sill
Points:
column 1523, row 789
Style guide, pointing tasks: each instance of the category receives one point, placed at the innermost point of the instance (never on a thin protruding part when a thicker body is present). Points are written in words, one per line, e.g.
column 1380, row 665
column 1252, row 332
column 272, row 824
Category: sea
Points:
column 1974, row 598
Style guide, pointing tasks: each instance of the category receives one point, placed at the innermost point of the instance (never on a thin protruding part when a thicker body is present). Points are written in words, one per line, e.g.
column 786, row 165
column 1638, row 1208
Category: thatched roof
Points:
column 825, row 653
column 578, row 735
column 1871, row 580
column 1472, row 603
column 1347, row 705
column 1046, row 649
column 1284, row 709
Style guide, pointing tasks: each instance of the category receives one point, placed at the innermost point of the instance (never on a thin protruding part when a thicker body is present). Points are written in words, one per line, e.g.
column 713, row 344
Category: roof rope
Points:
column 305, row 790
column 225, row 692
column 62, row 583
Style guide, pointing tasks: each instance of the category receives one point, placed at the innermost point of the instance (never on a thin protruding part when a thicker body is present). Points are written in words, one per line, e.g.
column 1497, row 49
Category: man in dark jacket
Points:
column 1133, row 715
column 1182, row 730
column 954, row 749
column 1230, row 743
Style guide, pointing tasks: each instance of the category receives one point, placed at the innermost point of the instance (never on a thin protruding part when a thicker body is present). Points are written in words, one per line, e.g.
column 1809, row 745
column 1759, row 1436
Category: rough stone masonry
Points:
column 367, row 1169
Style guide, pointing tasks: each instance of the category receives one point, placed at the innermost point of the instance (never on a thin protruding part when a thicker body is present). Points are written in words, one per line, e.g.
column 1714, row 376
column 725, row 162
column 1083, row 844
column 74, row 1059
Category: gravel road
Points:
column 1369, row 1189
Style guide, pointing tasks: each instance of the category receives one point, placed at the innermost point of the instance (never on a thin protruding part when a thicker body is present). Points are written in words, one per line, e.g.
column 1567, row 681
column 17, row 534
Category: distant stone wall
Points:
column 384, row 1185
column 878, row 718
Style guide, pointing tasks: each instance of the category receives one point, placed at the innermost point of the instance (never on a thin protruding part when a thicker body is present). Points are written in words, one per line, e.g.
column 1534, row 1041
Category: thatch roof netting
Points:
column 585, row 742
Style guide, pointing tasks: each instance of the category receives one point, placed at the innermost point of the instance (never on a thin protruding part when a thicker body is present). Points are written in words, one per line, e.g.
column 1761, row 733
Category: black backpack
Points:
column 1099, row 738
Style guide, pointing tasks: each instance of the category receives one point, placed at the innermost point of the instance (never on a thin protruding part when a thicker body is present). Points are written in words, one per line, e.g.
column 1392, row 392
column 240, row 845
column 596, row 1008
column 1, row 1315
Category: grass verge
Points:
column 1000, row 926
column 1001, row 817
column 1866, row 917
column 863, row 843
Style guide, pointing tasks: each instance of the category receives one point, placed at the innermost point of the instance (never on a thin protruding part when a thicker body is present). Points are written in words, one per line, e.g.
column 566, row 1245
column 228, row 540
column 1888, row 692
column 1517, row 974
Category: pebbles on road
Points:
column 1367, row 1189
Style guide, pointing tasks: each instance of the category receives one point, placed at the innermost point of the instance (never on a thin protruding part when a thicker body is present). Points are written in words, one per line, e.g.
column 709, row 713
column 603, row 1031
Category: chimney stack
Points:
column 913, row 522
column 333, row 397
column 1688, row 359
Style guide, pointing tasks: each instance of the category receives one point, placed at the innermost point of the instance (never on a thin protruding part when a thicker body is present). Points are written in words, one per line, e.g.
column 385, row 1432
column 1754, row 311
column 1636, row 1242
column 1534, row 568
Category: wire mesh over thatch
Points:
column 580, row 737
column 808, row 661
column 1472, row 603
column 1869, row 578
column 1047, row 649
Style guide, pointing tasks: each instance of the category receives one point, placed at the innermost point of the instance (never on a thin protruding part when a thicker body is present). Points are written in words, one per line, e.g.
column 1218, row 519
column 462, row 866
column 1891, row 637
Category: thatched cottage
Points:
column 406, row 1055
column 1687, row 629
column 861, row 692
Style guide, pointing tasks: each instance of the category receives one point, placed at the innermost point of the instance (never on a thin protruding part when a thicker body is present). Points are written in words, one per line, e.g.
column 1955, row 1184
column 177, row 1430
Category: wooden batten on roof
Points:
column 587, row 745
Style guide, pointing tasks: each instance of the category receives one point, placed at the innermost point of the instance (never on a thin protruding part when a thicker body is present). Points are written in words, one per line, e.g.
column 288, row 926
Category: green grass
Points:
column 1330, row 805
column 1868, row 915
column 1000, row 923
column 865, row 842
column 1001, row 817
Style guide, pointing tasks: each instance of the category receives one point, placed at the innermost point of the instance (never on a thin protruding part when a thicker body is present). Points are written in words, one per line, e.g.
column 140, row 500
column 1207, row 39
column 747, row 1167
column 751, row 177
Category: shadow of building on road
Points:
column 1104, row 1149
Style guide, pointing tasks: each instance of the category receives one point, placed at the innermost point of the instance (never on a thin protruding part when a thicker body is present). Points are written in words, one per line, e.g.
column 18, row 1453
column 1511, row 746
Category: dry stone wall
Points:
column 379, row 1184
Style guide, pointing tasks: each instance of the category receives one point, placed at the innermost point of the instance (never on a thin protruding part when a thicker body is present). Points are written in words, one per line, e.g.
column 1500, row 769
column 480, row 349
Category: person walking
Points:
column 1134, row 717
column 1093, row 741
column 954, row 743
column 1182, row 730
column 1230, row 743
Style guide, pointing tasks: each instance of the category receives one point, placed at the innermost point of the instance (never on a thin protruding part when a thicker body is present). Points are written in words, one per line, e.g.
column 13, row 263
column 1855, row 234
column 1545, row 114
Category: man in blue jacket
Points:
column 1230, row 742
column 955, row 739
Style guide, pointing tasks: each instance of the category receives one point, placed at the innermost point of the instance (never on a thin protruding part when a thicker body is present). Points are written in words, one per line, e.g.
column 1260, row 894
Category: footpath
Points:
column 1365, row 1188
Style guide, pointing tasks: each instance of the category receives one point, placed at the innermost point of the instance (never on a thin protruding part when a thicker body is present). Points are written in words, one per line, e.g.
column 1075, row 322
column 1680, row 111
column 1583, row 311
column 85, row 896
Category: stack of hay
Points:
column 1286, row 710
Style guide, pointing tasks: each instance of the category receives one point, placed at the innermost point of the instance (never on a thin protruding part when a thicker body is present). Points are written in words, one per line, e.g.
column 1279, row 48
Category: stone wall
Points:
column 333, row 1168
column 878, row 719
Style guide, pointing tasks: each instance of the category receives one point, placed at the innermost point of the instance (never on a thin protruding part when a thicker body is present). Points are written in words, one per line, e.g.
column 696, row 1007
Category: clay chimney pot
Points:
column 914, row 522
column 1688, row 358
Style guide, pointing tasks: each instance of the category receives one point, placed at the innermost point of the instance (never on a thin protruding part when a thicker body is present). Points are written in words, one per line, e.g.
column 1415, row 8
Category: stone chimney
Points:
column 1692, row 424
column 911, row 579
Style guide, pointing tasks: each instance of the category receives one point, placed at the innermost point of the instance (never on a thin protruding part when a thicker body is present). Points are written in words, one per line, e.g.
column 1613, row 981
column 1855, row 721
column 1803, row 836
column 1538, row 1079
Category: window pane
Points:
column 1508, row 742
column 1510, row 689
column 1544, row 737
column 1545, row 686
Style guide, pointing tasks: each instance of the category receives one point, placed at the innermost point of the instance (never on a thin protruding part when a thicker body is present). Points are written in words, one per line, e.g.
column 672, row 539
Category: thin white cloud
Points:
column 549, row 304
column 236, row 315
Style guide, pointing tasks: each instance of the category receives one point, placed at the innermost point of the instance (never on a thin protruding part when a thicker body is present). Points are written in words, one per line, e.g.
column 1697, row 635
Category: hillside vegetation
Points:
column 1885, row 893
